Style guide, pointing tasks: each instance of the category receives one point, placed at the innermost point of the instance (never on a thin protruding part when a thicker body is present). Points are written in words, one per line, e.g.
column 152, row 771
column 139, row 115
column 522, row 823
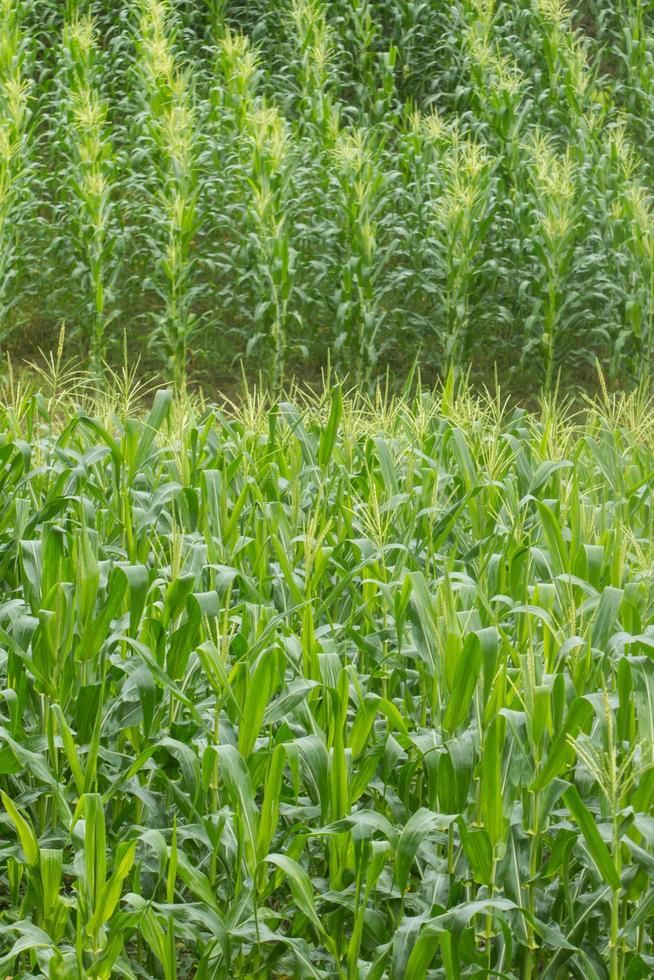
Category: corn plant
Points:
column 87, row 145
column 316, row 108
column 169, row 120
column 463, row 215
column 256, row 152
column 634, row 47
column 554, row 239
column 359, row 315
column 14, row 161
column 499, row 88
column 574, row 102
column 634, row 210
column 365, row 60
column 271, row 237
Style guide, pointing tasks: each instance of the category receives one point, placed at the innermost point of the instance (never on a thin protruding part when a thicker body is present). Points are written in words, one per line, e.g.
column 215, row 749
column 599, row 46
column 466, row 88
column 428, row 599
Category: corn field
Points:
column 342, row 688
column 298, row 184
column 348, row 685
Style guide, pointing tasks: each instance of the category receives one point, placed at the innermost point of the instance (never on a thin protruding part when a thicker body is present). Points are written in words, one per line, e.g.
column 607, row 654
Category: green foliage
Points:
column 341, row 688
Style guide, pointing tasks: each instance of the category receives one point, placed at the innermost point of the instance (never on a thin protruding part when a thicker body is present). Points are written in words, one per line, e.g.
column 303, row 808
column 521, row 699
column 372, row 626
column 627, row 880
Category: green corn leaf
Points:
column 300, row 885
column 24, row 829
column 578, row 714
column 598, row 850
column 466, row 673
column 110, row 893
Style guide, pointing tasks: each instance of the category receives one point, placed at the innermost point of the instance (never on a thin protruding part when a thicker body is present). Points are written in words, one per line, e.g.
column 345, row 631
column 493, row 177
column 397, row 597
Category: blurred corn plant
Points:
column 554, row 237
column 500, row 92
column 462, row 214
column 14, row 156
column 359, row 186
column 633, row 43
column 168, row 119
column 270, row 238
column 425, row 140
column 232, row 96
column 317, row 110
column 575, row 103
column 635, row 227
column 365, row 60
column 86, row 144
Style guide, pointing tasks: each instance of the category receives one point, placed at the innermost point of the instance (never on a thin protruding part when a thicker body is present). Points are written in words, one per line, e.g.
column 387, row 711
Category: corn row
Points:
column 14, row 122
column 214, row 249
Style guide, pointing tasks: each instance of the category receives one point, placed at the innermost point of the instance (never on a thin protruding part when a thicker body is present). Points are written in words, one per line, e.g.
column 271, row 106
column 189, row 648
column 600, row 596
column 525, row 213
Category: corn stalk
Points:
column 169, row 121
column 14, row 160
column 87, row 144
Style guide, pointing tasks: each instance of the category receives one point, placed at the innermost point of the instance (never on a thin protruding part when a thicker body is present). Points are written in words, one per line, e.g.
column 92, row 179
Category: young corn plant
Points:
column 333, row 686
column 616, row 771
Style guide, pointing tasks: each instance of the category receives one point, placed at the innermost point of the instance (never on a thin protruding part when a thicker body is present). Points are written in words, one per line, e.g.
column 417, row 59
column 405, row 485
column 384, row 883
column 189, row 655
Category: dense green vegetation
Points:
column 295, row 181
column 351, row 685
column 345, row 689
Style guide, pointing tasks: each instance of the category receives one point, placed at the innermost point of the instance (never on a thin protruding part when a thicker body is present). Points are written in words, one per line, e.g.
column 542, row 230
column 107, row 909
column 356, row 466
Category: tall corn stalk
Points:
column 91, row 164
column 500, row 91
column 317, row 110
column 365, row 60
column 240, row 75
column 359, row 186
column 554, row 240
column 169, row 119
column 570, row 79
column 271, row 237
column 255, row 153
column 462, row 216
column 14, row 162
column 634, row 222
column 215, row 247
column 418, row 180
column 634, row 41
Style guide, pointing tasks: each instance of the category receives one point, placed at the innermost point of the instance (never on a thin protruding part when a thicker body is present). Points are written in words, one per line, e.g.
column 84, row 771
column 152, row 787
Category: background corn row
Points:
column 295, row 181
